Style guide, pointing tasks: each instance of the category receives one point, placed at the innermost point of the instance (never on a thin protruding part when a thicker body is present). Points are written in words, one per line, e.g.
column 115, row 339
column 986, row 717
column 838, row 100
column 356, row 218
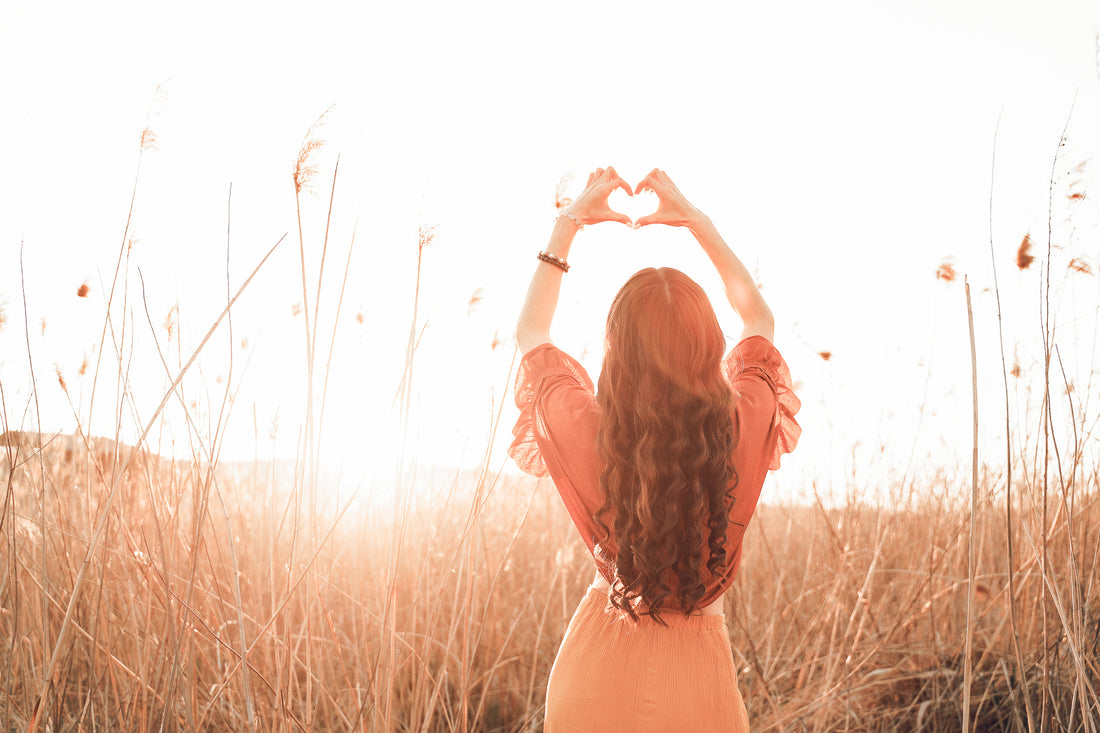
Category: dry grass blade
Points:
column 972, row 569
column 147, row 592
column 97, row 534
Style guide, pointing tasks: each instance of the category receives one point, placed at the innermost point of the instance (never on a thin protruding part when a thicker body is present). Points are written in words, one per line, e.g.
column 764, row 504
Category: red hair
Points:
column 665, row 439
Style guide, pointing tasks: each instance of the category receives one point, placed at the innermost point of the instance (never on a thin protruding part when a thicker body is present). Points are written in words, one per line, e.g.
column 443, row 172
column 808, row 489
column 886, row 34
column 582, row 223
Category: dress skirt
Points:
column 612, row 674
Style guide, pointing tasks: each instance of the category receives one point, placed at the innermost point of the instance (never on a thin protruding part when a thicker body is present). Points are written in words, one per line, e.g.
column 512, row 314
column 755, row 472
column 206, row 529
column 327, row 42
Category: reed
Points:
column 195, row 594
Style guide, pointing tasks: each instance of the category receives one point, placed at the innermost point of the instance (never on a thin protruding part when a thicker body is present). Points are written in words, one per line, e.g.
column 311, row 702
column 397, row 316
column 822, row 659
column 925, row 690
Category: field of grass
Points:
column 144, row 593
column 203, row 607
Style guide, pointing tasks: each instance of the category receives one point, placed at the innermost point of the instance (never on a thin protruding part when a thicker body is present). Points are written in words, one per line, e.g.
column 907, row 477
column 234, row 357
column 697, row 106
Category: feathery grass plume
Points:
column 148, row 137
column 1016, row 371
column 61, row 378
column 170, row 320
column 477, row 296
column 1024, row 258
column 825, row 355
column 946, row 271
column 82, row 291
column 425, row 235
column 43, row 326
column 1075, row 189
column 560, row 199
column 296, row 309
column 497, row 341
column 305, row 168
column 359, row 318
column 1079, row 265
column 83, row 367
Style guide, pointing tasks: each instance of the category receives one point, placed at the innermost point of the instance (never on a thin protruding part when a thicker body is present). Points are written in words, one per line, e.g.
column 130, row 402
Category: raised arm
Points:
column 675, row 210
column 533, row 326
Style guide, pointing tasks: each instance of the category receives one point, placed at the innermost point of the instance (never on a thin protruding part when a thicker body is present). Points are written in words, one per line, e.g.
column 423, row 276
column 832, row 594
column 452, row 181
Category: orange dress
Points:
column 611, row 674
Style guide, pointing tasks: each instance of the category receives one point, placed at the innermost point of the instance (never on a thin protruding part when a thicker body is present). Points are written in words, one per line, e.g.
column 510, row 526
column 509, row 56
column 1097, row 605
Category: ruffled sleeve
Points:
column 552, row 391
column 555, row 434
column 753, row 363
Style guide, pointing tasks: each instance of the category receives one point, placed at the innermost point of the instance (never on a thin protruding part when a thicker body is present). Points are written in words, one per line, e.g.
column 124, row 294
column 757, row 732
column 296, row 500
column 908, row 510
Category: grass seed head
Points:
column 825, row 355
column 148, row 139
column 1075, row 190
column 560, row 199
column 475, row 298
column 170, row 321
column 82, row 291
column 306, row 167
column 1079, row 265
column 426, row 235
column 1024, row 258
column 946, row 271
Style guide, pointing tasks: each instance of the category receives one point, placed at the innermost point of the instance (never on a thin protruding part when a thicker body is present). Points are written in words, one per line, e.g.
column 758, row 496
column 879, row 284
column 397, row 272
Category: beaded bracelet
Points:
column 571, row 215
column 558, row 262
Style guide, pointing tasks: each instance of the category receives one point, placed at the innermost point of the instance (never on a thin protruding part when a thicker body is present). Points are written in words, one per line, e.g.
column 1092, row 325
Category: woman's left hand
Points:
column 591, row 206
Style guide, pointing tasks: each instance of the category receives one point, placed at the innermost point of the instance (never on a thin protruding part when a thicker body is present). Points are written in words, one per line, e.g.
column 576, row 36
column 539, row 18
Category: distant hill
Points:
column 60, row 446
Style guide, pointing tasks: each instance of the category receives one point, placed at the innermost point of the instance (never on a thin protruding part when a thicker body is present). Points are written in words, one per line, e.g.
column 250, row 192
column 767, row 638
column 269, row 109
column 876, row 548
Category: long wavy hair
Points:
column 665, row 439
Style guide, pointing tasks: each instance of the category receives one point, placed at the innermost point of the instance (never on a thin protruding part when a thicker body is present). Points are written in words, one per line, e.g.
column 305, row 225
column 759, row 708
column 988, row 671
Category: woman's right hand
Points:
column 591, row 206
column 673, row 208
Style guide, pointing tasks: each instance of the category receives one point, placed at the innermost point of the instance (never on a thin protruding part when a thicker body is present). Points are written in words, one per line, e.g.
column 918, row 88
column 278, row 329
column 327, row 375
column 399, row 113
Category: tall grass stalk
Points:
column 1019, row 688
column 154, row 593
column 105, row 512
column 971, row 568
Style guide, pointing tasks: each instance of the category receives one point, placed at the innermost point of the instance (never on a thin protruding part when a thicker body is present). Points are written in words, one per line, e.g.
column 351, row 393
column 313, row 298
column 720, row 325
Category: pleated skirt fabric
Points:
column 611, row 674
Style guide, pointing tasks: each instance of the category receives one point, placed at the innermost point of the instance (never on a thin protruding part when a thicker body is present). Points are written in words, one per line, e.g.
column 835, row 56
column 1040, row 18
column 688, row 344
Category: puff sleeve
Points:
column 764, row 406
column 755, row 368
column 553, row 391
column 555, row 434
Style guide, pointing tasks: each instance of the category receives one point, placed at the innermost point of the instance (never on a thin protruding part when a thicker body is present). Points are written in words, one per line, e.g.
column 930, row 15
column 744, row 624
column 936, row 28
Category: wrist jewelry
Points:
column 558, row 262
column 571, row 215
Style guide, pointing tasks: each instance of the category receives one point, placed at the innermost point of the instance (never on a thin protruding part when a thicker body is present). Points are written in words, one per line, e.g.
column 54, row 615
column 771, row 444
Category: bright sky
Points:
column 843, row 149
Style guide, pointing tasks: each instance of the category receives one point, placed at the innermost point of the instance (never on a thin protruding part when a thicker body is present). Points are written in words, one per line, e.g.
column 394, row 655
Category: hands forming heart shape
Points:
column 673, row 208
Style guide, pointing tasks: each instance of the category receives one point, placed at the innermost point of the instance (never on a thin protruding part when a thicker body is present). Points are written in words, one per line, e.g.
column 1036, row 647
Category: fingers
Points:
column 603, row 181
column 617, row 182
column 655, row 179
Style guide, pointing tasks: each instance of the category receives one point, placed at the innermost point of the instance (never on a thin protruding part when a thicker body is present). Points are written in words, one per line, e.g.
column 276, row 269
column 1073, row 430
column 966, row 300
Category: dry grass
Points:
column 147, row 594
column 840, row 619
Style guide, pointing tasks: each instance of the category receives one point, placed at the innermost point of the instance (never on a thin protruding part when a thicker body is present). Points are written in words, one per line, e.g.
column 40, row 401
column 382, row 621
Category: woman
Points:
column 660, row 470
